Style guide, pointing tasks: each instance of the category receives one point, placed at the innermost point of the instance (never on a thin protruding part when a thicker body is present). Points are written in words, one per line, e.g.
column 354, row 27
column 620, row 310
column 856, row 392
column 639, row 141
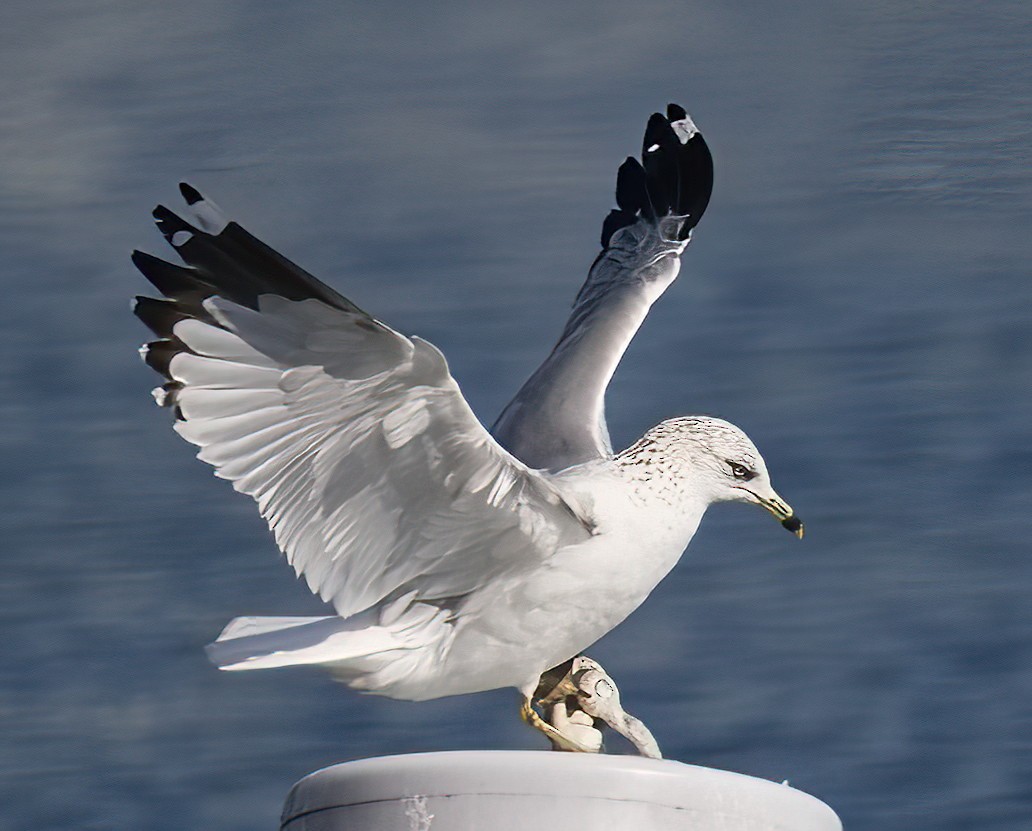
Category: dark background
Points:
column 858, row 298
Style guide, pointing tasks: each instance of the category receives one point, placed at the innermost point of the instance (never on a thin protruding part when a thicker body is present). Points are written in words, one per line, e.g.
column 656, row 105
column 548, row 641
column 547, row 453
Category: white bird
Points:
column 455, row 561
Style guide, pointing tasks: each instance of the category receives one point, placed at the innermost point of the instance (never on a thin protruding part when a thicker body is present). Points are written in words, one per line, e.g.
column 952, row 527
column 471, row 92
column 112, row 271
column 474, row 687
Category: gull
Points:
column 456, row 559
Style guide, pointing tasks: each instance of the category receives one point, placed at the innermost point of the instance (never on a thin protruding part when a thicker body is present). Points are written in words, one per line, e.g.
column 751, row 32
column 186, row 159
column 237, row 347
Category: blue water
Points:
column 858, row 297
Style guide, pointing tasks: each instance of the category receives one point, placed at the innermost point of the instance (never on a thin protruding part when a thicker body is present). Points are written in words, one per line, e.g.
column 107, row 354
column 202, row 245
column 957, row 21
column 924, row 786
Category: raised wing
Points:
column 372, row 471
column 557, row 419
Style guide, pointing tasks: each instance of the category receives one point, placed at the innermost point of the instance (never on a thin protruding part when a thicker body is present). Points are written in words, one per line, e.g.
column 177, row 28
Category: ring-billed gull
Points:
column 456, row 559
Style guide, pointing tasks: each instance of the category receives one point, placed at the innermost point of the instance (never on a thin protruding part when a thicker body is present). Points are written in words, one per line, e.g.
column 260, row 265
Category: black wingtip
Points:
column 657, row 133
column 231, row 263
column 696, row 170
column 170, row 223
column 190, row 193
column 160, row 316
column 632, row 199
column 675, row 112
column 631, row 187
column 674, row 179
column 158, row 356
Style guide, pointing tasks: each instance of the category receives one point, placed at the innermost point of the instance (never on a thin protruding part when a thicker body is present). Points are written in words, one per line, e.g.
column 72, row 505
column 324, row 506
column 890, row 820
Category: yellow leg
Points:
column 560, row 740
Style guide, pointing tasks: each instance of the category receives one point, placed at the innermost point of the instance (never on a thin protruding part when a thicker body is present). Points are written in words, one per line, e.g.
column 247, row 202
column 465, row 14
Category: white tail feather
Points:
column 242, row 627
column 263, row 643
column 367, row 651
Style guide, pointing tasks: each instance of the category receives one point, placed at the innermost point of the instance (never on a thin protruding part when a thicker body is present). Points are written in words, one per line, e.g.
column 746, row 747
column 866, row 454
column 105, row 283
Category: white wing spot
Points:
column 684, row 129
column 653, row 148
column 181, row 238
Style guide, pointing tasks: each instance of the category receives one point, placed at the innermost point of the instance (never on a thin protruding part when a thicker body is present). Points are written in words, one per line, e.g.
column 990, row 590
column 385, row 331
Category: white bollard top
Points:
column 510, row 790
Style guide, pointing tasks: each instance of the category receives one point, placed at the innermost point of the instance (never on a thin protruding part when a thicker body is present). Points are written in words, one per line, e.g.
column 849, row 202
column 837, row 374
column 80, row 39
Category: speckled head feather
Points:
column 700, row 439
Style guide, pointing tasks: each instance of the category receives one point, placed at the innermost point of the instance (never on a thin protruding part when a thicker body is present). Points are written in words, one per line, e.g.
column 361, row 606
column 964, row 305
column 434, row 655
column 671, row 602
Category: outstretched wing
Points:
column 557, row 419
column 372, row 471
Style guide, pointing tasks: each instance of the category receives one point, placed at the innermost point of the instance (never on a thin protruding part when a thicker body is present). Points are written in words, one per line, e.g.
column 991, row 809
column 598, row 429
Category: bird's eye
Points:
column 740, row 471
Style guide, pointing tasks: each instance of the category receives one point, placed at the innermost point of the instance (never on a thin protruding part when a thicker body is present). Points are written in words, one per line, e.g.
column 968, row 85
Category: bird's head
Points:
column 718, row 460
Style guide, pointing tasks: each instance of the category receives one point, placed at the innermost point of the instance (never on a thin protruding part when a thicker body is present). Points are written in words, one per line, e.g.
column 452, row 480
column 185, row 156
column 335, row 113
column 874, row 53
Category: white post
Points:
column 520, row 790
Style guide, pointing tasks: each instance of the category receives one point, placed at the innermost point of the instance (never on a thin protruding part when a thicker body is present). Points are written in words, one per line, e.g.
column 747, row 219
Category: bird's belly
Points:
column 513, row 631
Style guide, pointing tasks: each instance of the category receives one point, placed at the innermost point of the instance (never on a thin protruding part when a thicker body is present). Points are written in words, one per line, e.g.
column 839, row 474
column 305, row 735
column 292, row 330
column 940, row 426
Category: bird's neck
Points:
column 640, row 498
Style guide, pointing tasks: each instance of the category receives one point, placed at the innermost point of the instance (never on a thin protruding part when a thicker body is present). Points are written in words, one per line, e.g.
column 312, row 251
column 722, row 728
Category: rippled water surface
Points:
column 858, row 297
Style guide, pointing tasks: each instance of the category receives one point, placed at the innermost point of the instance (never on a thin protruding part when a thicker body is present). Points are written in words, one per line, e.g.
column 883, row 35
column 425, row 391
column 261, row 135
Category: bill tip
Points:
column 793, row 524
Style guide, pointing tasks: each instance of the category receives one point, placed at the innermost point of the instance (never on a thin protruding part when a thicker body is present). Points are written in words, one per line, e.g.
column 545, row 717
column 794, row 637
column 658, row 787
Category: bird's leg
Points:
column 568, row 728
